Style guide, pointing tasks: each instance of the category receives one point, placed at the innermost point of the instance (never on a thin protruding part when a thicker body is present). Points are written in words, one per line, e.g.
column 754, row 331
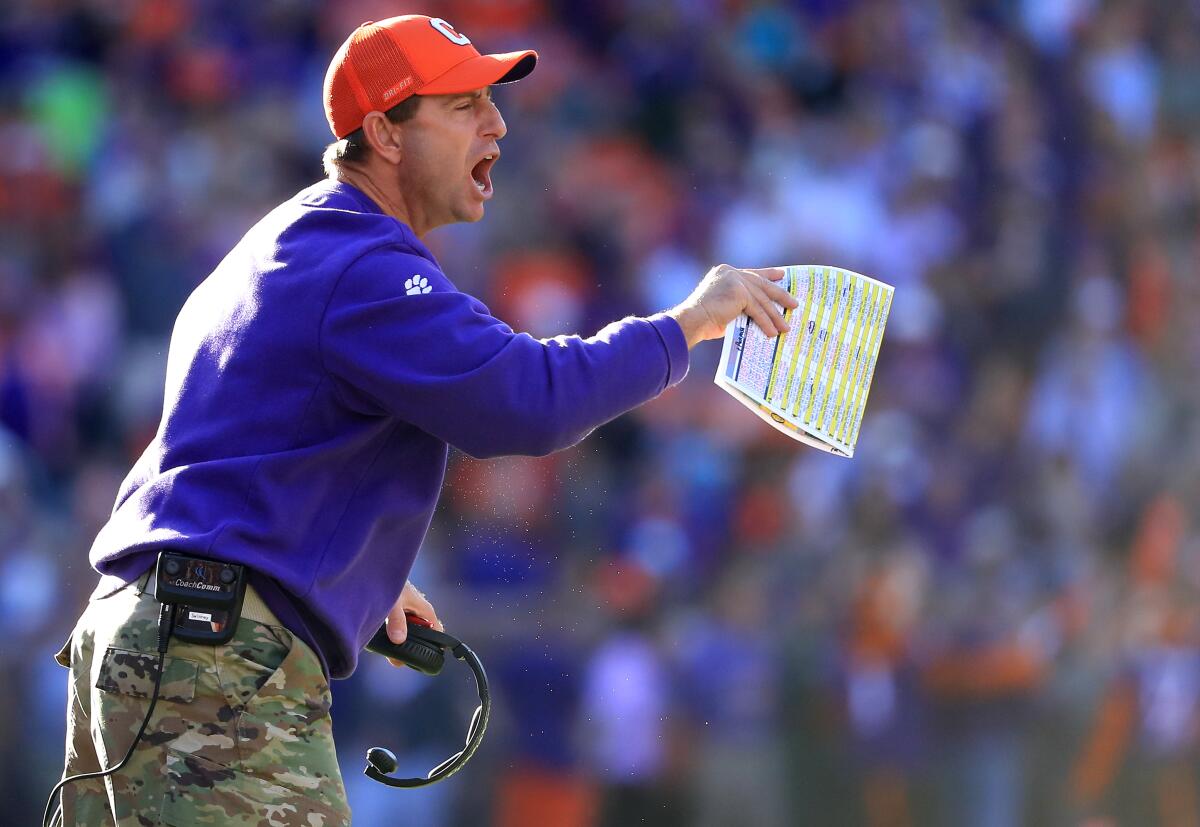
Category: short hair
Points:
column 354, row 149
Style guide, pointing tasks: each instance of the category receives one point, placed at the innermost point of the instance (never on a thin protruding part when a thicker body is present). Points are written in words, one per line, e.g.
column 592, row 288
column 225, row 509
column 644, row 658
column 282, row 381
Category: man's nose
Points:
column 493, row 126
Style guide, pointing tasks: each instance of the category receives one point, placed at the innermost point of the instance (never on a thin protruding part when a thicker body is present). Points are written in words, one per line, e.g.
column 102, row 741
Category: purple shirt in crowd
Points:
column 314, row 381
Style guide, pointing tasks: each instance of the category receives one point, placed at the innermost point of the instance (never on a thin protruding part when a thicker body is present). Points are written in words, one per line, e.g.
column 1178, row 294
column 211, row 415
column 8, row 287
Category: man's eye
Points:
column 464, row 106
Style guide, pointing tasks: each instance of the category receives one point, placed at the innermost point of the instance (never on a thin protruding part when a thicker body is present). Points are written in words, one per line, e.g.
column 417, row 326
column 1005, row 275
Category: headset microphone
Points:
column 425, row 650
column 384, row 760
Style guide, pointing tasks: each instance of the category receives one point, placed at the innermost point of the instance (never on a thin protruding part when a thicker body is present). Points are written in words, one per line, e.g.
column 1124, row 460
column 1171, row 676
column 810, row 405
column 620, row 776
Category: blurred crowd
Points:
column 989, row 616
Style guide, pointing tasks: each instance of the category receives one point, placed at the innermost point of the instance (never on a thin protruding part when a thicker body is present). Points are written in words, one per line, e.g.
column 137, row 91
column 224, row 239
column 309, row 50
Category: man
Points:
column 314, row 382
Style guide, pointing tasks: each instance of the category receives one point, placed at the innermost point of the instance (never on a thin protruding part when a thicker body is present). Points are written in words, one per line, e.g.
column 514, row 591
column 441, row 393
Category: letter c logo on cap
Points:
column 448, row 30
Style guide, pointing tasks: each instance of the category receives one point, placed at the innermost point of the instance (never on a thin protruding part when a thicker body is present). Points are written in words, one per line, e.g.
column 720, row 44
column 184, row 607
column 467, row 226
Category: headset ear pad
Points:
column 422, row 656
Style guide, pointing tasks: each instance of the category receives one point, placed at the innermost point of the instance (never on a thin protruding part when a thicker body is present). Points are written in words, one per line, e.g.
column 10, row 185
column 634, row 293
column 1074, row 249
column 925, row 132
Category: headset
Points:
column 201, row 603
column 425, row 650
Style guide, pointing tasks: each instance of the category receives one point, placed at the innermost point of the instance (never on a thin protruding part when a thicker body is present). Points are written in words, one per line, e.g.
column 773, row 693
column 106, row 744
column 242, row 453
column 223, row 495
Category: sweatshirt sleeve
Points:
column 399, row 339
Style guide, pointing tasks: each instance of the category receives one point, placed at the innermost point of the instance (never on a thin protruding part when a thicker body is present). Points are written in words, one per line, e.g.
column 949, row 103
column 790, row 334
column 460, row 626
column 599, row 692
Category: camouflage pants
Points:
column 241, row 734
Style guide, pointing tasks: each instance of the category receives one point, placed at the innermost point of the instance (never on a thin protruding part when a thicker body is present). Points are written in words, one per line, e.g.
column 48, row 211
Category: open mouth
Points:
column 481, row 174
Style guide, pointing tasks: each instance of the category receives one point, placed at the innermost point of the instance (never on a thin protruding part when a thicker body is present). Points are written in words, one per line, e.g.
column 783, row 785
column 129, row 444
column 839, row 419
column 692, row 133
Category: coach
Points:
column 314, row 382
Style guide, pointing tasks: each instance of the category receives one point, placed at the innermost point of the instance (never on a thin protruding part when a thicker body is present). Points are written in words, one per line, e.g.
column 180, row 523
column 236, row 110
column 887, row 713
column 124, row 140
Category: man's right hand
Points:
column 724, row 294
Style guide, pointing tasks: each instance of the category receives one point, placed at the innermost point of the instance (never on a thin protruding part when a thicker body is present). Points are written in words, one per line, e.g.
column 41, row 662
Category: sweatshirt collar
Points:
column 363, row 203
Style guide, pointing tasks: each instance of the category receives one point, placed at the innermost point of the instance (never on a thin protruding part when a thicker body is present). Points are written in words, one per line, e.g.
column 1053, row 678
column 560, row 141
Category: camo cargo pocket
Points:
column 127, row 672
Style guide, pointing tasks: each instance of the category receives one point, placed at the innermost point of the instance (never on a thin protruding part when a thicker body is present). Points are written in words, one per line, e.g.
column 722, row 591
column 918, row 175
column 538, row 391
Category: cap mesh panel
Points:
column 342, row 108
column 383, row 69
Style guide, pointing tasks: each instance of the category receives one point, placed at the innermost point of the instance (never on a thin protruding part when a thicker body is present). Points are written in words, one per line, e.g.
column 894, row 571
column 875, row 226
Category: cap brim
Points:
column 482, row 71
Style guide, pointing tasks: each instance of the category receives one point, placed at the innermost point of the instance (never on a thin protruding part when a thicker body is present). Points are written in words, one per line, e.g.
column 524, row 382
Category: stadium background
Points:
column 988, row 617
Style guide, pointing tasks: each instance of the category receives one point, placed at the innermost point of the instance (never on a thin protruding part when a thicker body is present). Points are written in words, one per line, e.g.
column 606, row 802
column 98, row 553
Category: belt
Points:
column 253, row 607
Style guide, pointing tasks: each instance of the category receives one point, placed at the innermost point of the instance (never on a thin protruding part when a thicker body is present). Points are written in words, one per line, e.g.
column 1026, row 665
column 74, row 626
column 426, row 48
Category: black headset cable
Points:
column 166, row 619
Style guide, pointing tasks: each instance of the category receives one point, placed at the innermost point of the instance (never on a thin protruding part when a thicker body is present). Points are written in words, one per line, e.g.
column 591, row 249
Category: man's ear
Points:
column 384, row 137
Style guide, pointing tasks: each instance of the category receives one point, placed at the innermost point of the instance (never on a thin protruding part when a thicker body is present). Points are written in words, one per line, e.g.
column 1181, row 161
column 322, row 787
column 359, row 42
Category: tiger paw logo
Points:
column 417, row 284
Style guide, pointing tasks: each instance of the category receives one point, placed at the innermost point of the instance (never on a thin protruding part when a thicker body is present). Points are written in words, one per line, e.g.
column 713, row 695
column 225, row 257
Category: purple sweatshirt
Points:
column 314, row 381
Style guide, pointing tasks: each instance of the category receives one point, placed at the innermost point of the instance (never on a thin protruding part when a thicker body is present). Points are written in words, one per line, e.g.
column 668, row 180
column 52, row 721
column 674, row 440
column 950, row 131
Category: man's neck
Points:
column 391, row 204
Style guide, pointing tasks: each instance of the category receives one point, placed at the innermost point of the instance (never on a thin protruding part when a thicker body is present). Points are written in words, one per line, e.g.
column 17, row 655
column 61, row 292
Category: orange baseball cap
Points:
column 383, row 63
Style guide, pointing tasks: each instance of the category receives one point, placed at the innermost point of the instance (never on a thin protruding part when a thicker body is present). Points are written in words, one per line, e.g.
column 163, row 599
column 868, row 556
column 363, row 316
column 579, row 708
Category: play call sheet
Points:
column 812, row 382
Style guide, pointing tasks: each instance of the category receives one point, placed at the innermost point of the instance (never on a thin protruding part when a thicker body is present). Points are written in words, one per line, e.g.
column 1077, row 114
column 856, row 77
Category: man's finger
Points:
column 772, row 273
column 414, row 600
column 418, row 604
column 778, row 294
column 772, row 295
column 397, row 627
column 775, row 316
column 771, row 308
column 760, row 317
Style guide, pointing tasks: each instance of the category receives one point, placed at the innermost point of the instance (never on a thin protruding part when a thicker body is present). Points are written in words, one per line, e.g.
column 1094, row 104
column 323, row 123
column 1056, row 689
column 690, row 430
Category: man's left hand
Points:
column 411, row 600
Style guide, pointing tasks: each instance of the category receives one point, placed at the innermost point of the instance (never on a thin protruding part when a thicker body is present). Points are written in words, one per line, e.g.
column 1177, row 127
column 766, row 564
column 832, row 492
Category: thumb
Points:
column 397, row 626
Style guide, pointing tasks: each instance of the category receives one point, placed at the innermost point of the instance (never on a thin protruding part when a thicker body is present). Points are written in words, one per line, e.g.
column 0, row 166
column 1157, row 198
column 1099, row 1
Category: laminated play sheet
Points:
column 812, row 382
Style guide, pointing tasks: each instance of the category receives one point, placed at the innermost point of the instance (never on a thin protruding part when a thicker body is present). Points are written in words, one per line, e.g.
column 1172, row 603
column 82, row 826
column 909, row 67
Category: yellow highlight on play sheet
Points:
column 812, row 382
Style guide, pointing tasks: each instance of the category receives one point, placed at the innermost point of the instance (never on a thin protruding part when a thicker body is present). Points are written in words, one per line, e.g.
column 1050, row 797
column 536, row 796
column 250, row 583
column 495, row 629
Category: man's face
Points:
column 449, row 147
